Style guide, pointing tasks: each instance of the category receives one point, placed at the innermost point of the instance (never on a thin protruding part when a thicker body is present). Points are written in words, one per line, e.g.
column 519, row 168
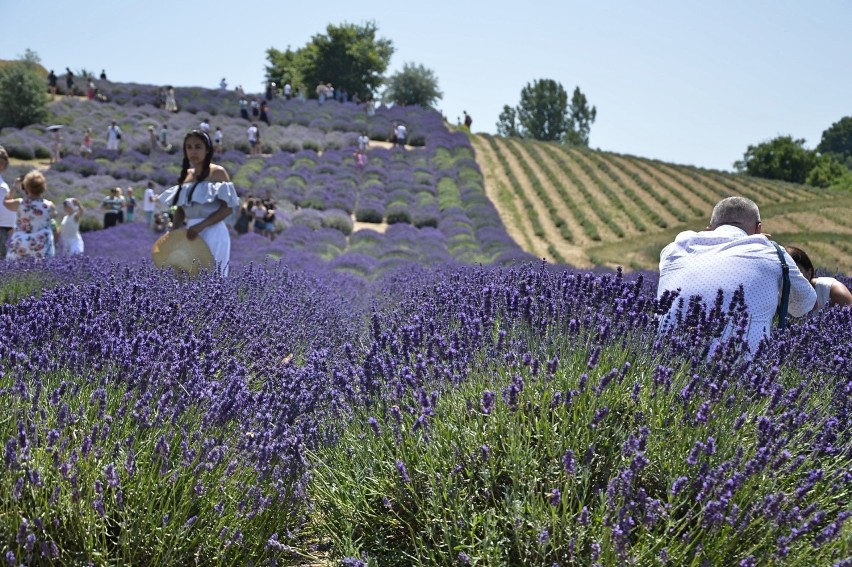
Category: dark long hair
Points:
column 205, row 169
column 802, row 260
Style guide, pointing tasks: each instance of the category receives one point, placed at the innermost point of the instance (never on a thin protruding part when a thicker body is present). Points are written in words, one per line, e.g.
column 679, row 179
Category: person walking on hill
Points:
column 86, row 145
column 467, row 120
column 264, row 112
column 204, row 197
column 164, row 138
column 217, row 141
column 731, row 254
column 171, row 101
column 52, row 81
column 113, row 136
column 149, row 203
column 55, row 146
column 69, row 82
column 253, row 139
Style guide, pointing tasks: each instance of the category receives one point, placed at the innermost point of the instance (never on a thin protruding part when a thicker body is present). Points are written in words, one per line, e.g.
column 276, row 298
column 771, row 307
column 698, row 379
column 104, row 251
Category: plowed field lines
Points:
column 664, row 203
column 509, row 205
column 547, row 169
column 595, row 200
column 695, row 205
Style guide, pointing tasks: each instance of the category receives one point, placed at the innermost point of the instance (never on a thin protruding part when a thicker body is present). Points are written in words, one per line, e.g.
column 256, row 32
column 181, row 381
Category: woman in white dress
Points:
column 829, row 290
column 70, row 240
column 204, row 197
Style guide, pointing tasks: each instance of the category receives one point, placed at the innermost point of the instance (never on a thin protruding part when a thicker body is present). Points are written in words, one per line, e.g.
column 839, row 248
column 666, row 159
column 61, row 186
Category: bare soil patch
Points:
column 493, row 177
column 572, row 254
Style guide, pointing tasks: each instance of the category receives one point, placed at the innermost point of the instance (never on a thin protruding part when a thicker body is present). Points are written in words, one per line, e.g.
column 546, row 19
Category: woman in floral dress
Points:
column 33, row 235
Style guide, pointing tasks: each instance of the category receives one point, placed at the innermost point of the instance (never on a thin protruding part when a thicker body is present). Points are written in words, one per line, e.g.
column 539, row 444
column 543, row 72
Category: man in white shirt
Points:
column 253, row 134
column 204, row 126
column 7, row 217
column 149, row 203
column 729, row 253
column 401, row 135
column 113, row 136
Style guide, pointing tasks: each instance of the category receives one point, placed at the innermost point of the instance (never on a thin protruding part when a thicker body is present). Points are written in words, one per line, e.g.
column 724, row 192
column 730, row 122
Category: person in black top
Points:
column 51, row 82
column 69, row 82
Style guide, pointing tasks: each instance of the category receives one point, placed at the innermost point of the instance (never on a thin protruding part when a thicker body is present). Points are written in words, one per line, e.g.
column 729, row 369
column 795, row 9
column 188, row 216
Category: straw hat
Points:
column 175, row 250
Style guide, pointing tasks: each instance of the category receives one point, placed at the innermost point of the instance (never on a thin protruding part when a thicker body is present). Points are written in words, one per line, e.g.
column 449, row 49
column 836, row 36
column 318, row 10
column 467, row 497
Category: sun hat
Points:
column 175, row 250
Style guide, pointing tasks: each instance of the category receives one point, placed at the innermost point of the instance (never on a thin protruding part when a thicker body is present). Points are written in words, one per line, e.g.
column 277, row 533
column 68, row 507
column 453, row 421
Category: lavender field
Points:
column 429, row 395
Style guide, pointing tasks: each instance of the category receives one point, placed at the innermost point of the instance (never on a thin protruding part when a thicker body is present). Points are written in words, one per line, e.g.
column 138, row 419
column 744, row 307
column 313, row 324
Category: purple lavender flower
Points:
column 555, row 497
column 403, row 472
column 569, row 463
column 464, row 558
column 374, row 425
column 487, row 403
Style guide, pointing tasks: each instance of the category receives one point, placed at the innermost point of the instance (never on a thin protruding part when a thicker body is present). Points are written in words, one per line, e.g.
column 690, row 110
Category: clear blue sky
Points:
column 684, row 81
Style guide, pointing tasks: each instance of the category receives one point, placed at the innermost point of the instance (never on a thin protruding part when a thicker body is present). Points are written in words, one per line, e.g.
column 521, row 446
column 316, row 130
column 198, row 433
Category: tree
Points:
column 581, row 117
column 349, row 56
column 837, row 140
column 780, row 158
column 507, row 124
column 415, row 84
column 544, row 114
column 826, row 172
column 543, row 111
column 23, row 96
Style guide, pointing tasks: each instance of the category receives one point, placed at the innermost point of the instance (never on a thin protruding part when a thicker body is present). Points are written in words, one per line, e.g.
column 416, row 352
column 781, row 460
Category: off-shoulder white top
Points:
column 205, row 197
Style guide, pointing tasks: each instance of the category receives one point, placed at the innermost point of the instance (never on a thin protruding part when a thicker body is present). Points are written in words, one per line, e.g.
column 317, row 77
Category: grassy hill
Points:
column 590, row 208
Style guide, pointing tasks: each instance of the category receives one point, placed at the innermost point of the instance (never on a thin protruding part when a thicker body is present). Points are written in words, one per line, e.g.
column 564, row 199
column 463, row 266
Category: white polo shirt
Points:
column 701, row 263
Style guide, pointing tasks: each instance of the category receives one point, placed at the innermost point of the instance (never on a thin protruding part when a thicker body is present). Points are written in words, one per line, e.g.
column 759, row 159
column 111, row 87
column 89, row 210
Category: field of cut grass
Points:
column 589, row 207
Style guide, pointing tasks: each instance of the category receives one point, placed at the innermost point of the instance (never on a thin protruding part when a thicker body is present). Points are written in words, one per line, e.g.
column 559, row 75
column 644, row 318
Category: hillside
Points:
column 476, row 199
column 590, row 208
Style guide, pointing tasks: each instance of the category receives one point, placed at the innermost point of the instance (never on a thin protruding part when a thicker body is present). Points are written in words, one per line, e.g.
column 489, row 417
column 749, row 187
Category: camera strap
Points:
column 785, row 287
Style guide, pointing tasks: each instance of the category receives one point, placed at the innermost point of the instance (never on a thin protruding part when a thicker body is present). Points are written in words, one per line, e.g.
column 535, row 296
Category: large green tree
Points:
column 781, row 158
column 415, row 84
column 543, row 113
column 350, row 56
column 837, row 140
column 23, row 93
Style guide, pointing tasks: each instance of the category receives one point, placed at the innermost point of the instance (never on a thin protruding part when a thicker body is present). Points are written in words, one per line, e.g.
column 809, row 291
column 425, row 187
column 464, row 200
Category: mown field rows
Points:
column 600, row 208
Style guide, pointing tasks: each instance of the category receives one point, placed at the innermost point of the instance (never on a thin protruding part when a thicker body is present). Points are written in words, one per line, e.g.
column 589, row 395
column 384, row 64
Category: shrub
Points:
column 88, row 223
column 398, row 214
column 23, row 99
column 338, row 220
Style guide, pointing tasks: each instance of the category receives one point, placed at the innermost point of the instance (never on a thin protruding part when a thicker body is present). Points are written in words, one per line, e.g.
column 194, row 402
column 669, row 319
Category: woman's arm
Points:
column 80, row 210
column 839, row 295
column 179, row 218
column 219, row 215
column 12, row 204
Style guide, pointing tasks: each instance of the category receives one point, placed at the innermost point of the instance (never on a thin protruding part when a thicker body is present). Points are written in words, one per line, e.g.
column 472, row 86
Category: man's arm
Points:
column 802, row 293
